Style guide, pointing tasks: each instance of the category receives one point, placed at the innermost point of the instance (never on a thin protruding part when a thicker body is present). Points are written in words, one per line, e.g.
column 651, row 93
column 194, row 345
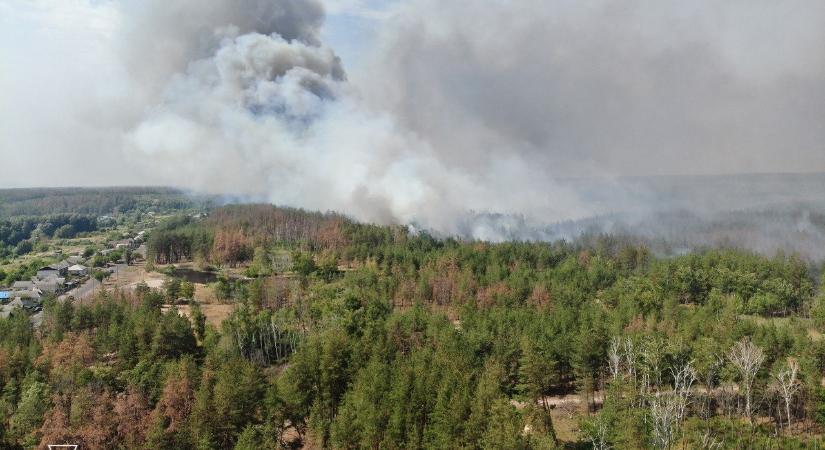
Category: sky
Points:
column 407, row 110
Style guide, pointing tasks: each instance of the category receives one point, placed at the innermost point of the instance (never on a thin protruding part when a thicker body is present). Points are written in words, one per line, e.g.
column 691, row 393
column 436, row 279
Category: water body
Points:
column 196, row 276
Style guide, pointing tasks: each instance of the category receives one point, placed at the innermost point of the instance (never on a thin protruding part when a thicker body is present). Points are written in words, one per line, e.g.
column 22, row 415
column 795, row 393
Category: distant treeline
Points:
column 96, row 201
column 450, row 271
column 17, row 232
column 231, row 233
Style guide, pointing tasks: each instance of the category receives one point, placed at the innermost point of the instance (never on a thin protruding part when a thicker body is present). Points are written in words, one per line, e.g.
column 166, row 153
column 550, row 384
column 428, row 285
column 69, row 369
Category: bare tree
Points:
column 747, row 358
column 614, row 357
column 668, row 409
column 683, row 379
column 663, row 413
column 788, row 385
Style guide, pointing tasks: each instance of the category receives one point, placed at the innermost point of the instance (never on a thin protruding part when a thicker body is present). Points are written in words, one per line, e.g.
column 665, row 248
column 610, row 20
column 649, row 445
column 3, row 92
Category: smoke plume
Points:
column 478, row 119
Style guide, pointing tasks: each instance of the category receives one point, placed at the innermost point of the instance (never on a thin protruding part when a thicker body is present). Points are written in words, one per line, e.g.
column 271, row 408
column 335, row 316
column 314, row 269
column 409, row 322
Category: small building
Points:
column 34, row 294
column 62, row 267
column 78, row 270
column 50, row 285
column 125, row 243
column 53, row 270
column 76, row 259
column 47, row 272
column 22, row 285
column 5, row 296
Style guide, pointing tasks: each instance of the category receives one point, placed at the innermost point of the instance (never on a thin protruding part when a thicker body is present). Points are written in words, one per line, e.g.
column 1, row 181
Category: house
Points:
column 22, row 285
column 50, row 285
column 124, row 243
column 53, row 270
column 78, row 270
column 33, row 294
column 62, row 267
column 47, row 272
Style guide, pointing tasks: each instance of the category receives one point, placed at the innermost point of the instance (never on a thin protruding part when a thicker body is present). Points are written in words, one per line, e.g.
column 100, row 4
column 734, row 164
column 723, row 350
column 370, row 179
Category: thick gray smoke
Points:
column 611, row 87
column 467, row 117
column 260, row 112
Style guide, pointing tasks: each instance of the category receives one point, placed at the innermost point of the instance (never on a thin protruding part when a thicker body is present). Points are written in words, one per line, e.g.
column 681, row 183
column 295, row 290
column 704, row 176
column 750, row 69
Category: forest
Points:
column 94, row 201
column 382, row 337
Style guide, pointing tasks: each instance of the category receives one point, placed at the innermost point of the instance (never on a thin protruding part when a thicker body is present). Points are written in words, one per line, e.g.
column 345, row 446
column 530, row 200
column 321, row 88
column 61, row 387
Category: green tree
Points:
column 30, row 410
column 505, row 429
column 187, row 290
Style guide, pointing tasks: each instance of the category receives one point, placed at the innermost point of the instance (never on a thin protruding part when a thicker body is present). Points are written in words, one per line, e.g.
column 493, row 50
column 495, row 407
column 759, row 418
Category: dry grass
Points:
column 567, row 427
column 215, row 314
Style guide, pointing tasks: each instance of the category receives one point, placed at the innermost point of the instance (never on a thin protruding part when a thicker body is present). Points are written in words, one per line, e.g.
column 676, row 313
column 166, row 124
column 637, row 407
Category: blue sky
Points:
column 351, row 27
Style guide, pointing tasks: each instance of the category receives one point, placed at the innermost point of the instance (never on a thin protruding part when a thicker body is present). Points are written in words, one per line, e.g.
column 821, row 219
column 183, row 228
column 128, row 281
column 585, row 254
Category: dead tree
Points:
column 747, row 358
column 683, row 379
column 788, row 385
column 669, row 409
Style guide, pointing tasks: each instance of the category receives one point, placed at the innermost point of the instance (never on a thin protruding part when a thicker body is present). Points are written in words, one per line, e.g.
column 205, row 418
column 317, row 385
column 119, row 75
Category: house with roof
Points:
column 47, row 272
column 78, row 270
column 51, row 285
column 53, row 270
column 22, row 285
column 124, row 243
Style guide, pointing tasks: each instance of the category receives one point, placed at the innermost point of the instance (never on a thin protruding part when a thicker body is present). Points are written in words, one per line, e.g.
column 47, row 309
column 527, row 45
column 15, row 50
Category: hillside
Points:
column 347, row 335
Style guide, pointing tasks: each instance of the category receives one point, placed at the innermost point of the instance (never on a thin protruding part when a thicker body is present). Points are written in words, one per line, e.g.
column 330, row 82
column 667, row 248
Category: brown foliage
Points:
column 450, row 285
column 493, row 295
column 96, row 420
column 264, row 224
column 74, row 350
column 176, row 401
column 231, row 246
column 540, row 297
column 132, row 411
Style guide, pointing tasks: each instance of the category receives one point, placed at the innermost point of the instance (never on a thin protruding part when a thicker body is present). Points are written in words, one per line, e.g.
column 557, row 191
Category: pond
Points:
column 196, row 276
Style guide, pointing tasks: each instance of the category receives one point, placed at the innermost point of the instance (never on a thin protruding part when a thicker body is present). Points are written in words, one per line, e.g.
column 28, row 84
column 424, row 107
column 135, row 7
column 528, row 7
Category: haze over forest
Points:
column 445, row 113
column 412, row 224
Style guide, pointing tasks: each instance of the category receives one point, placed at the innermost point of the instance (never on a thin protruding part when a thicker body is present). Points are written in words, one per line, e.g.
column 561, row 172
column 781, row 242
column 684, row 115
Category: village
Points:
column 72, row 275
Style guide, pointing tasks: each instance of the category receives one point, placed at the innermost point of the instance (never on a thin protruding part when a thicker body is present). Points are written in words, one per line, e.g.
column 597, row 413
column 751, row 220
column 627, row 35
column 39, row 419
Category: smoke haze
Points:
column 479, row 119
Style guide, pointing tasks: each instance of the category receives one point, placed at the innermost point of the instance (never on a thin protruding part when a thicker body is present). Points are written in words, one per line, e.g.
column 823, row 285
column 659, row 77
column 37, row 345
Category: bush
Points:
column 23, row 247
column 765, row 303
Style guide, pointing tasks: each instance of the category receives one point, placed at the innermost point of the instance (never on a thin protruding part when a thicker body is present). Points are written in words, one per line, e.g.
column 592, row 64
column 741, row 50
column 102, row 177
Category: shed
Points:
column 78, row 270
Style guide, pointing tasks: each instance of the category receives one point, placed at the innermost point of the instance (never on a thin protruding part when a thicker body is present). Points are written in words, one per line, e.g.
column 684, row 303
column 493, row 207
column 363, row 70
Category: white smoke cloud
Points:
column 460, row 108
column 267, row 115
